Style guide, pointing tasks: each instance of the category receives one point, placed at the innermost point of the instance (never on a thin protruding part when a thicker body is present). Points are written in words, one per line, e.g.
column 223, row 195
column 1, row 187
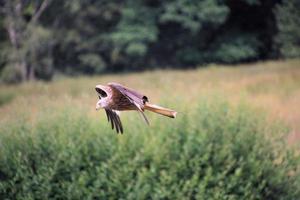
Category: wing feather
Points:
column 115, row 120
column 133, row 96
column 142, row 113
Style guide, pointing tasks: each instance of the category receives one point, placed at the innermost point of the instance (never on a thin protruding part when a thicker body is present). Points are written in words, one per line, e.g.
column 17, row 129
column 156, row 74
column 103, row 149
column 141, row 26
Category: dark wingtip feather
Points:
column 106, row 111
column 119, row 123
column 115, row 120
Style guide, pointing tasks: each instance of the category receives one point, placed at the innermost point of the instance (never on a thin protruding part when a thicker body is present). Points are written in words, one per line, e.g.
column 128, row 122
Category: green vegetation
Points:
column 54, row 145
column 41, row 38
column 6, row 98
column 222, row 153
column 288, row 22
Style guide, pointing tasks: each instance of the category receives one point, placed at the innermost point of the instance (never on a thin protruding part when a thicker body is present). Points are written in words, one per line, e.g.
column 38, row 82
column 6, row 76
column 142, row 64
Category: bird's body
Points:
column 117, row 101
column 115, row 97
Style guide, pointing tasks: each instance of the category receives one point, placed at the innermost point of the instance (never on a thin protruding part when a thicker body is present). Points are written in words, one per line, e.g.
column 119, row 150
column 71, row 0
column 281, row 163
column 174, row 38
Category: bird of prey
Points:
column 115, row 97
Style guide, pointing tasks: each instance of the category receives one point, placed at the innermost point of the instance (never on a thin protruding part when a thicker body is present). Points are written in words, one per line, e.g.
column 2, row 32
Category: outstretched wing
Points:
column 133, row 96
column 115, row 120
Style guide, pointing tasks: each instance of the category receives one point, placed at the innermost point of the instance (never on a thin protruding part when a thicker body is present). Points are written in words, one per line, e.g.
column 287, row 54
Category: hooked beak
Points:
column 102, row 93
column 98, row 105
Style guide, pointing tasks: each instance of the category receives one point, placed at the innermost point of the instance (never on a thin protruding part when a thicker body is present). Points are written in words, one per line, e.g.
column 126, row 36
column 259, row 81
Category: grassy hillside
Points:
column 228, row 141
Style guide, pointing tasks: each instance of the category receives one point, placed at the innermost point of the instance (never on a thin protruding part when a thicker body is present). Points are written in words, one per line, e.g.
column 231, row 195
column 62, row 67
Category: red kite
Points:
column 115, row 97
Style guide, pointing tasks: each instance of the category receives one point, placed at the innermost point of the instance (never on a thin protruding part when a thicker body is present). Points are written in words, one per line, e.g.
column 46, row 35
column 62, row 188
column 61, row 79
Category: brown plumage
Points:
column 115, row 97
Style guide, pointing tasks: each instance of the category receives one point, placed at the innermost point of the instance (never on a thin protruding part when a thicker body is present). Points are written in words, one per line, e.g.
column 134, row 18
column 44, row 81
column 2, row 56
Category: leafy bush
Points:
column 190, row 56
column 236, row 47
column 93, row 63
column 218, row 152
column 10, row 74
column 135, row 31
column 288, row 23
column 193, row 15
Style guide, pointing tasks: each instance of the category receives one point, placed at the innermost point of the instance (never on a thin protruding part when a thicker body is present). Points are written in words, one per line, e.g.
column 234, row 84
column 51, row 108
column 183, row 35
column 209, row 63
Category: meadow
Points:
column 236, row 137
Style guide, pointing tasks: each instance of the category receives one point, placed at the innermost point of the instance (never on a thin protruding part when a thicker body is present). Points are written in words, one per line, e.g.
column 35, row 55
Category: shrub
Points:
column 288, row 24
column 218, row 152
column 235, row 48
column 92, row 62
column 11, row 75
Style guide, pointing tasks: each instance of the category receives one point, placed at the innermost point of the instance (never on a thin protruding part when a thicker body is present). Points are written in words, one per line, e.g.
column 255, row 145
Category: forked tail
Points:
column 160, row 110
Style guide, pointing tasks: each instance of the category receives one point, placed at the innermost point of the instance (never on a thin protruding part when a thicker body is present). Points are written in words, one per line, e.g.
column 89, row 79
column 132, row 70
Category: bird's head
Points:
column 103, row 94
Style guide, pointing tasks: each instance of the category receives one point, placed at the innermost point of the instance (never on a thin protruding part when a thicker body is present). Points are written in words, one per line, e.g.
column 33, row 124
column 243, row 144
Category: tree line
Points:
column 39, row 38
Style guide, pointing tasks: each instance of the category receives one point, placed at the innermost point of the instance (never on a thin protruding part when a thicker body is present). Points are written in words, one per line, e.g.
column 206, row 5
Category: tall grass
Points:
column 6, row 97
column 216, row 152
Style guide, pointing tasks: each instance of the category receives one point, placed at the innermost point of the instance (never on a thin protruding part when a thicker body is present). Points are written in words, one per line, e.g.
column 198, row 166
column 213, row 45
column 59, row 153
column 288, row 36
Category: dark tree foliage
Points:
column 288, row 23
column 92, row 37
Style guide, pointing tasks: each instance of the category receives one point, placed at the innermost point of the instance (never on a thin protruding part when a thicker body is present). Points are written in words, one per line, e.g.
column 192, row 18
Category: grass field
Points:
column 226, row 143
column 271, row 86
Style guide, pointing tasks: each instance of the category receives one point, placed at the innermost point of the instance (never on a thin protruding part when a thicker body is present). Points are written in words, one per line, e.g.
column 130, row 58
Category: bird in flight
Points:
column 115, row 97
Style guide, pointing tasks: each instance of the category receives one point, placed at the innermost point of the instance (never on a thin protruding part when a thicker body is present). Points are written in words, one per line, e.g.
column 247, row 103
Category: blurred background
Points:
column 41, row 38
column 231, row 68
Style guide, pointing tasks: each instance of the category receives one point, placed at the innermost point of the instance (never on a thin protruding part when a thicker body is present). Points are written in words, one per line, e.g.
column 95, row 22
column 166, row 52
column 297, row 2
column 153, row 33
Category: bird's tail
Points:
column 160, row 110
